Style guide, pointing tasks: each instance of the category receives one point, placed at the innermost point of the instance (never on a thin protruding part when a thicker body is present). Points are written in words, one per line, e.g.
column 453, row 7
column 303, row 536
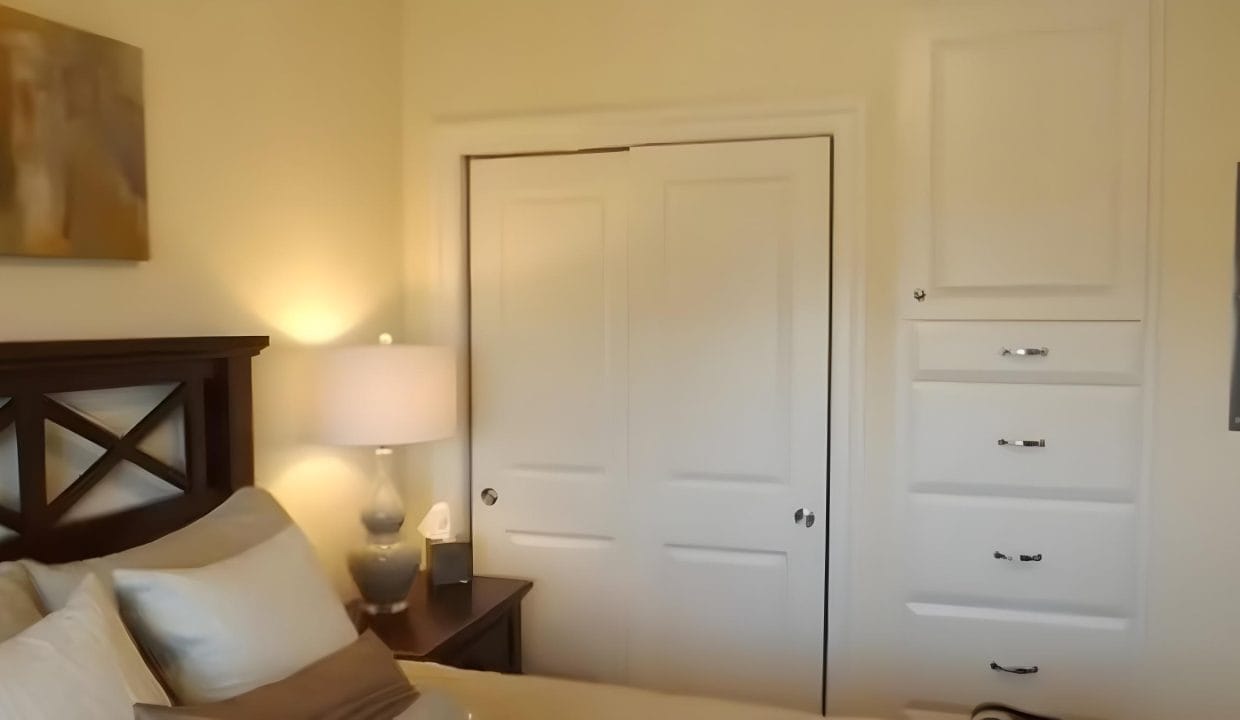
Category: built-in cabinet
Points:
column 1023, row 372
column 1026, row 127
column 1022, row 516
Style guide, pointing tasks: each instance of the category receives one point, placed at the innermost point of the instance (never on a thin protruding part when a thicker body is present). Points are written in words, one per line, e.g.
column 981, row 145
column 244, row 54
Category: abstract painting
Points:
column 72, row 143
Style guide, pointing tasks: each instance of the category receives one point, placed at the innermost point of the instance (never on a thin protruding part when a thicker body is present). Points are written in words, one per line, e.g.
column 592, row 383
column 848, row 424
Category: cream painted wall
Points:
column 274, row 171
column 484, row 58
column 1194, row 583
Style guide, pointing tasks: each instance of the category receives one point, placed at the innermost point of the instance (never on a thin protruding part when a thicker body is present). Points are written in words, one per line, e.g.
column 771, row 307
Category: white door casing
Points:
column 709, row 584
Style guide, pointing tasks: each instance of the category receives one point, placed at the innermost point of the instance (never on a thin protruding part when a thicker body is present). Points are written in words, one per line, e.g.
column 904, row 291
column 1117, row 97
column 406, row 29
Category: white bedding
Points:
column 491, row 696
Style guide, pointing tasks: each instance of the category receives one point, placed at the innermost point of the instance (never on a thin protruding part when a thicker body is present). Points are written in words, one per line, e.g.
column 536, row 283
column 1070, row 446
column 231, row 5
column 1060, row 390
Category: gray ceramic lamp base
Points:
column 384, row 574
column 385, row 567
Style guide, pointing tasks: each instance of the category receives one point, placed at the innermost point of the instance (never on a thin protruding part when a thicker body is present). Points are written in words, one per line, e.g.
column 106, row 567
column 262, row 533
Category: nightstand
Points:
column 474, row 625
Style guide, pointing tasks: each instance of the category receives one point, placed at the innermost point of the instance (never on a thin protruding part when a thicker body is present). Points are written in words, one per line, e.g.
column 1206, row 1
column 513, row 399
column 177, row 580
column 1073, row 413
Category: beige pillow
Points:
column 358, row 682
column 78, row 662
column 245, row 519
column 218, row 631
column 19, row 608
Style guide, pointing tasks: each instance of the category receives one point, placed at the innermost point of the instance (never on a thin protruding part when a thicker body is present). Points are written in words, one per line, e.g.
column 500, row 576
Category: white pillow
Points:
column 221, row 630
column 78, row 662
column 18, row 607
column 248, row 517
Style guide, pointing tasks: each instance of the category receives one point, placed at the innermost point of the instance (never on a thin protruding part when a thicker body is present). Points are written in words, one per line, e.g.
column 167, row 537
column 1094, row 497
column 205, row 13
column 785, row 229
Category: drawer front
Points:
column 1088, row 352
column 1091, row 435
column 491, row 651
column 1083, row 669
column 1086, row 549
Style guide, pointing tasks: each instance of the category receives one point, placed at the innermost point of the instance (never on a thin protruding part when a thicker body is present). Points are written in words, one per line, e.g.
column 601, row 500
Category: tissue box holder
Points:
column 449, row 562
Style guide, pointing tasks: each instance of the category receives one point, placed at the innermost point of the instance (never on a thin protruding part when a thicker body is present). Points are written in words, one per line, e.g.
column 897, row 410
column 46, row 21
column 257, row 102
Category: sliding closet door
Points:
column 549, row 382
column 650, row 367
column 729, row 266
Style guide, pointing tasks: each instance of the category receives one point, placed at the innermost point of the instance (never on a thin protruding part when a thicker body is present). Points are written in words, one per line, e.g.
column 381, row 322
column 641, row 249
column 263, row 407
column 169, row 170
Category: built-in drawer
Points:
column 1083, row 668
column 1068, row 558
column 1088, row 352
column 1078, row 441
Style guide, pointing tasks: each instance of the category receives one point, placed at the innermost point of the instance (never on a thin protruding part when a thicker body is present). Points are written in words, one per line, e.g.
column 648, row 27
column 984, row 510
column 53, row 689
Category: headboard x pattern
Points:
column 211, row 381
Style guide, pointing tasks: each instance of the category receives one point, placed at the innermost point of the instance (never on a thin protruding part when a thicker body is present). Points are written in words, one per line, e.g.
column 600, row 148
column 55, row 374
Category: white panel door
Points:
column 1027, row 126
column 547, row 248
column 649, row 394
column 729, row 326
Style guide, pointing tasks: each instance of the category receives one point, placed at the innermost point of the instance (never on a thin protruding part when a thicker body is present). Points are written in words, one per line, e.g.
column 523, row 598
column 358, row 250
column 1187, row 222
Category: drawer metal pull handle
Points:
column 1022, row 443
column 1026, row 352
column 1023, row 558
column 1015, row 669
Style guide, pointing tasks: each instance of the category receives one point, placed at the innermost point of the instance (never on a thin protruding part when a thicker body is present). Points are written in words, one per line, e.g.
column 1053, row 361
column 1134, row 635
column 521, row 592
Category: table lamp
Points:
column 380, row 396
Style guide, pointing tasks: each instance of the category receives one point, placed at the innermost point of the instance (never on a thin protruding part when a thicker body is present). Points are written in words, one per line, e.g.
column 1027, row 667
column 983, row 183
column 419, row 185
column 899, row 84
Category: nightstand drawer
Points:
column 496, row 648
column 474, row 625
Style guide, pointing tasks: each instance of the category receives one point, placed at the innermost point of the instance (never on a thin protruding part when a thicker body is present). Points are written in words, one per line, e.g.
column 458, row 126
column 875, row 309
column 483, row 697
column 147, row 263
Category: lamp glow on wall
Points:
column 381, row 396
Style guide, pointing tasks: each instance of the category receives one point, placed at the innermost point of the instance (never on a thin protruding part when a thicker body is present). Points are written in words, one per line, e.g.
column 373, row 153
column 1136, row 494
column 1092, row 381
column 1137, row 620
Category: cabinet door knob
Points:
column 1022, row 443
column 1026, row 352
column 489, row 496
column 803, row 517
column 1014, row 669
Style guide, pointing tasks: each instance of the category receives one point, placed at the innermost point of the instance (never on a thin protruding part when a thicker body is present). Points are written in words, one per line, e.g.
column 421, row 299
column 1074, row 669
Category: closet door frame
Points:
column 445, row 229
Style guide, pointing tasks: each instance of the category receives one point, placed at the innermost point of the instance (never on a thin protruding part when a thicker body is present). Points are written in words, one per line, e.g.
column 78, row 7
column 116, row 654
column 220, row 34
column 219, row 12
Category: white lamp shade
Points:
column 385, row 395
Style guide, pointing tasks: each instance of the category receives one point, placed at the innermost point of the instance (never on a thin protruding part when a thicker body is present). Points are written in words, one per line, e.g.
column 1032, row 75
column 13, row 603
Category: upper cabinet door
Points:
column 1027, row 136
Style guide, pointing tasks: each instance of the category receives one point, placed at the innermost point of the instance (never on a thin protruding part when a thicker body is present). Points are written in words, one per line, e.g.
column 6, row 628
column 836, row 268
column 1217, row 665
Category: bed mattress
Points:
column 491, row 696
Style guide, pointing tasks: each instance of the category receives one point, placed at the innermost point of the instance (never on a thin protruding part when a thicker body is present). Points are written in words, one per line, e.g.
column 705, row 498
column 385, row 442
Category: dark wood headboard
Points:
column 211, row 382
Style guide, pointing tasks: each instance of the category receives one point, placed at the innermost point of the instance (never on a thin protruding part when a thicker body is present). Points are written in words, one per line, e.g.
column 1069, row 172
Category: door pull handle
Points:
column 1023, row 558
column 1014, row 669
column 1025, row 352
column 1022, row 443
